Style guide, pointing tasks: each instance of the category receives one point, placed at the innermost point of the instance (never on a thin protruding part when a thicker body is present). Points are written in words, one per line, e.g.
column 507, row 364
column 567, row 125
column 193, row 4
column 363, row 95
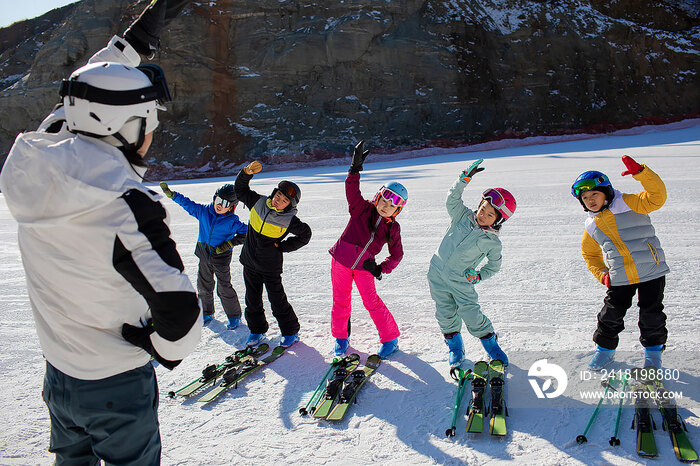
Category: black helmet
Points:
column 228, row 193
column 290, row 190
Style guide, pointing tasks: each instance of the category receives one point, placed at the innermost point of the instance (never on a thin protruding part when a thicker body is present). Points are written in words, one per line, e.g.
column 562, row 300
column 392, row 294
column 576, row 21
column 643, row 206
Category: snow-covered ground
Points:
column 543, row 304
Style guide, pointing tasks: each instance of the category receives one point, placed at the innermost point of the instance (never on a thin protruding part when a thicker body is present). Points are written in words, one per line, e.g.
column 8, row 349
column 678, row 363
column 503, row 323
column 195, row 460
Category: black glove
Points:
column 371, row 266
column 144, row 33
column 358, row 158
column 141, row 337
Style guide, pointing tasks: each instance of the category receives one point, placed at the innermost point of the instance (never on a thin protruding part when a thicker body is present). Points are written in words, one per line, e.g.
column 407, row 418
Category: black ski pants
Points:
column 281, row 309
column 652, row 320
column 219, row 265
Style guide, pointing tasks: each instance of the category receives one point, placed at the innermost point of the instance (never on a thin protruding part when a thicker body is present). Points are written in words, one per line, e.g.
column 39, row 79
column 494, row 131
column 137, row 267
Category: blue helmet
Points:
column 395, row 193
column 592, row 181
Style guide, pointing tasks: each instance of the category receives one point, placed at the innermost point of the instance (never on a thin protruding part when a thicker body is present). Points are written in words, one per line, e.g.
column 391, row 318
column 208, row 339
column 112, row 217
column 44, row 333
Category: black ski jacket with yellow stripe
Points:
column 268, row 230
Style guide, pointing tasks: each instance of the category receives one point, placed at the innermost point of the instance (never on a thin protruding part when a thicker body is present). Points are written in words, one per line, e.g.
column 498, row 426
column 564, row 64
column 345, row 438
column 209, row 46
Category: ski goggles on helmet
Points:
column 223, row 202
column 395, row 199
column 497, row 200
column 157, row 77
column 583, row 186
column 158, row 90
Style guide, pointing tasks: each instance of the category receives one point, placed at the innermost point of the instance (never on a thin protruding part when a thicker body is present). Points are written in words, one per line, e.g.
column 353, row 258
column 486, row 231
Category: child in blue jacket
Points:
column 219, row 231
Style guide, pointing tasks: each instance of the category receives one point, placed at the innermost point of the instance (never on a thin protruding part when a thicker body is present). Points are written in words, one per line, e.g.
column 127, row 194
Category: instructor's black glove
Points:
column 141, row 337
column 144, row 33
column 371, row 266
column 358, row 158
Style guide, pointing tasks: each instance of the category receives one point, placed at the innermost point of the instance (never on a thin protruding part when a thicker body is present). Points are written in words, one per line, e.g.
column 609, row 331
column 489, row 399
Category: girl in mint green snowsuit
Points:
column 470, row 238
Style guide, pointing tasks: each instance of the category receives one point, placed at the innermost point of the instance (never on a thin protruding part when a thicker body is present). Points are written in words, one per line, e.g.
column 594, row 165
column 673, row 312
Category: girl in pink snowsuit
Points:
column 371, row 225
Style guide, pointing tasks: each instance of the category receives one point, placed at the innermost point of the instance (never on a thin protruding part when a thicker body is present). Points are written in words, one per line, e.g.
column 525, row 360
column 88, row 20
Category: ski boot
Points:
column 601, row 358
column 208, row 318
column 341, row 346
column 254, row 339
column 652, row 356
column 456, row 346
column 289, row 340
column 388, row 348
column 490, row 344
column 233, row 323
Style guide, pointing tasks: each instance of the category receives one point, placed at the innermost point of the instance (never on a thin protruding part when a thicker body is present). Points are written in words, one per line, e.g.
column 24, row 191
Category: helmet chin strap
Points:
column 130, row 151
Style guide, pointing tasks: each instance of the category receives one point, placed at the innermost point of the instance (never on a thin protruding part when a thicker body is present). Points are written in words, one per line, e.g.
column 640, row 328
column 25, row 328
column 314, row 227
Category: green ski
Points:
column 672, row 422
column 646, row 445
column 477, row 407
column 498, row 410
column 352, row 385
column 235, row 375
column 335, row 385
column 311, row 405
column 213, row 371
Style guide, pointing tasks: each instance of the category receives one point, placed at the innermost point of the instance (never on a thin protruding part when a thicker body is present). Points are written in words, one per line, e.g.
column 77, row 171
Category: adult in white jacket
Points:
column 104, row 278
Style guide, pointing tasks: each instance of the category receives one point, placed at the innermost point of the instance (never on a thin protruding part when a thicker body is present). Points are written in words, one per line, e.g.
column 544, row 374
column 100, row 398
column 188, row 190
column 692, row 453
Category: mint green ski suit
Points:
column 464, row 246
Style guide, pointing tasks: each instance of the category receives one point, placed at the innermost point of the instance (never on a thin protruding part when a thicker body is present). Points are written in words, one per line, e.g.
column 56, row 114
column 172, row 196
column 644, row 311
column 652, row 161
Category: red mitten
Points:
column 606, row 280
column 632, row 167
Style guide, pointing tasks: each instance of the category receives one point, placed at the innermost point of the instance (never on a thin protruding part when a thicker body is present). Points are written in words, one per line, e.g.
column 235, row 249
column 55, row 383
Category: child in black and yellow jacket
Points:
column 272, row 219
column 619, row 232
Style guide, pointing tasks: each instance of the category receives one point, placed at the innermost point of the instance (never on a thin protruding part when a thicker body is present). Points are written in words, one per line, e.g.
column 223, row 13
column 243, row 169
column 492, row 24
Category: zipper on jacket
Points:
column 371, row 238
column 211, row 230
column 654, row 254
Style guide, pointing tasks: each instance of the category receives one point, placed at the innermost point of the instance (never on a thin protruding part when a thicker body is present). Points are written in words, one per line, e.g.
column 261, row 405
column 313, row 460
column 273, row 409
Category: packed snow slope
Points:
column 543, row 304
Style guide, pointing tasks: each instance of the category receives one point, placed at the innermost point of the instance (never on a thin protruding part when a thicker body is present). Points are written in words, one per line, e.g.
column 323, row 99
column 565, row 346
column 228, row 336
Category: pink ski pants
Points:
column 341, row 279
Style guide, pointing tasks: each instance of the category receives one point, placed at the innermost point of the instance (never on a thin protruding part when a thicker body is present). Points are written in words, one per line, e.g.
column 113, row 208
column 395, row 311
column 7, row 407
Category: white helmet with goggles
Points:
column 116, row 102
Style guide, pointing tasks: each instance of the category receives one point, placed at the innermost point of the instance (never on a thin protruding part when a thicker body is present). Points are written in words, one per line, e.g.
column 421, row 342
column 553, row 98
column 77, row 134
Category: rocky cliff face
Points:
column 286, row 80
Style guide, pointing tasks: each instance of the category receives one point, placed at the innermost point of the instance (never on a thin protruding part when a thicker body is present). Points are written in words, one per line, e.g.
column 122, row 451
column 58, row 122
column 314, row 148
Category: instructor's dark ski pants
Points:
column 218, row 265
column 652, row 320
column 113, row 419
column 281, row 309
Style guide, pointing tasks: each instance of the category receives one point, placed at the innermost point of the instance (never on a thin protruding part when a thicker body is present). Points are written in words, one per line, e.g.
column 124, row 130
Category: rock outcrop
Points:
column 292, row 81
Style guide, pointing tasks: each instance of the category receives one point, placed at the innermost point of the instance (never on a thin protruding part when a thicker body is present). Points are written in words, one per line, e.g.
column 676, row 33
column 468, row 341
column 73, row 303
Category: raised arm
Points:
column 654, row 194
column 242, row 184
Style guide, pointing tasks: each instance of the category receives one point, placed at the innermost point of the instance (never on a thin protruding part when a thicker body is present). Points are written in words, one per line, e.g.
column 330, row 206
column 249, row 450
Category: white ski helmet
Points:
column 117, row 102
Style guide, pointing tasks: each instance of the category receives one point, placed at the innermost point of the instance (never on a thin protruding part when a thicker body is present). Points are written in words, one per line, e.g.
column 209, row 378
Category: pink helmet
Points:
column 501, row 200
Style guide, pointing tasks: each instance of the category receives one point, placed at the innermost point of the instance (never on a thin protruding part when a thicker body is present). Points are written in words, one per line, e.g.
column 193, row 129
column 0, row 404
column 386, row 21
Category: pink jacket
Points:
column 366, row 232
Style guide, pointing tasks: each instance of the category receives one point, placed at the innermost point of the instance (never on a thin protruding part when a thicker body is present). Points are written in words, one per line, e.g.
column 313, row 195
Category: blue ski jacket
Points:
column 214, row 229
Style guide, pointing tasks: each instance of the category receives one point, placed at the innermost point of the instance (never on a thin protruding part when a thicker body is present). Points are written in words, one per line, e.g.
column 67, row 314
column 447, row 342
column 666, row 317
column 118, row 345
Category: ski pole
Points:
column 614, row 440
column 581, row 439
column 462, row 379
column 317, row 393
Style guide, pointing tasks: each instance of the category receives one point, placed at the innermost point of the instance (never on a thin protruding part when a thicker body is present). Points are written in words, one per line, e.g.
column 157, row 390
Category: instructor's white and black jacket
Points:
column 97, row 253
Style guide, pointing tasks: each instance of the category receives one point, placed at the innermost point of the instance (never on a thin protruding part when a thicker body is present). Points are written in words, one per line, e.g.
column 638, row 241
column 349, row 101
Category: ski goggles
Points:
column 223, row 202
column 158, row 90
column 583, row 186
column 157, row 77
column 497, row 201
column 390, row 196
